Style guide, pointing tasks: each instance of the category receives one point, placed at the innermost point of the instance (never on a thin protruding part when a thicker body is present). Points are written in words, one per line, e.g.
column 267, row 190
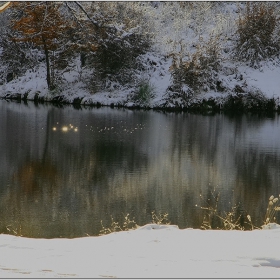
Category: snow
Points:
column 151, row 251
column 266, row 78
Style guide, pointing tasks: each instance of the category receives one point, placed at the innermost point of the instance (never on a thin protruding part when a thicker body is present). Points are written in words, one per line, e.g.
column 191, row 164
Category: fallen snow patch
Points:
column 152, row 251
column 271, row 226
column 156, row 226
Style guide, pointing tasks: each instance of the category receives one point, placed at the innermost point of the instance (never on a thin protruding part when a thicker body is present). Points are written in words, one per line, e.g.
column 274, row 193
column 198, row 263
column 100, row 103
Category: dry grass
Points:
column 255, row 30
column 128, row 224
column 272, row 209
column 235, row 219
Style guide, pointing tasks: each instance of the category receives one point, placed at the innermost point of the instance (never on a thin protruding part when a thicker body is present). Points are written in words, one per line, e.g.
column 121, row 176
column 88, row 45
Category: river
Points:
column 64, row 170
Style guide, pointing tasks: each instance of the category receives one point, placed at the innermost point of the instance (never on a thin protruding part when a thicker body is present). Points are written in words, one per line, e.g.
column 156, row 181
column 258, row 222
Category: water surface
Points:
column 63, row 170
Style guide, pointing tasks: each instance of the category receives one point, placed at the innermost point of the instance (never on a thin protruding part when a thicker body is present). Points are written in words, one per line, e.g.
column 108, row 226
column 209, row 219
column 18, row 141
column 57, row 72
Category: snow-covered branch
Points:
column 5, row 6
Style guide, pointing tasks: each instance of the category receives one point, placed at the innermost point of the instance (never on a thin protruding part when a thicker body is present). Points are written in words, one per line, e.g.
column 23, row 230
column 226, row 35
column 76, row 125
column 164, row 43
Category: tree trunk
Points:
column 47, row 64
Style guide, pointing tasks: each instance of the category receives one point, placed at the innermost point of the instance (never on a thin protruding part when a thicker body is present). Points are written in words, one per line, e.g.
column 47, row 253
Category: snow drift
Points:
column 152, row 251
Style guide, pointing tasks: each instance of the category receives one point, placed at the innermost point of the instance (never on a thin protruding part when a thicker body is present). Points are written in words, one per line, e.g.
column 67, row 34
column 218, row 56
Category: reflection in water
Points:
column 31, row 175
column 67, row 128
column 64, row 170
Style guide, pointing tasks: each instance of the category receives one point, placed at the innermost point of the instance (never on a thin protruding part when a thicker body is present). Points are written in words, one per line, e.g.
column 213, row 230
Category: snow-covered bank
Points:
column 150, row 251
column 258, row 89
column 192, row 57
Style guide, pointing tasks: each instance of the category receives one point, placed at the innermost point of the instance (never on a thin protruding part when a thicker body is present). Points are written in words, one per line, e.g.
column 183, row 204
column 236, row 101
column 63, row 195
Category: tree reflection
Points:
column 32, row 174
column 65, row 183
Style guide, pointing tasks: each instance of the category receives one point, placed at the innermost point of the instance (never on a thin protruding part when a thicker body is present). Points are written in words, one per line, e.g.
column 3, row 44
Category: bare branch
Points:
column 85, row 12
column 5, row 6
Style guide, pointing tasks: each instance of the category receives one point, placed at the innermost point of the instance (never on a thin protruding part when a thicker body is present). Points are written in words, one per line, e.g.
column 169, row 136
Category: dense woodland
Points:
column 116, row 45
column 108, row 37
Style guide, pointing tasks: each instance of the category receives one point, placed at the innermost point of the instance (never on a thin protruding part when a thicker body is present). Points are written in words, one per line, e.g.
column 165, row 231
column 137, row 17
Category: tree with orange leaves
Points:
column 43, row 25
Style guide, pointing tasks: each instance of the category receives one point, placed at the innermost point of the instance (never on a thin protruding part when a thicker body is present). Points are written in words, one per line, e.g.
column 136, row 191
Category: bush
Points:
column 244, row 99
column 256, row 30
column 16, row 57
column 120, row 40
column 144, row 93
column 200, row 72
column 119, row 53
column 115, row 59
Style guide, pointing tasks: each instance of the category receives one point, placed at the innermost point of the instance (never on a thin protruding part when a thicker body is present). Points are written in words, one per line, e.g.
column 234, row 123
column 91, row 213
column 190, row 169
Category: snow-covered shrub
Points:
column 16, row 57
column 144, row 93
column 245, row 99
column 200, row 71
column 120, row 51
column 256, row 30
column 119, row 54
column 120, row 39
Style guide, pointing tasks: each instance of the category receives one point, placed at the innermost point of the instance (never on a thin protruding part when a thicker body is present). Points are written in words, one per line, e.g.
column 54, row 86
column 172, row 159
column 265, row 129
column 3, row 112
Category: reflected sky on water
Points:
column 64, row 170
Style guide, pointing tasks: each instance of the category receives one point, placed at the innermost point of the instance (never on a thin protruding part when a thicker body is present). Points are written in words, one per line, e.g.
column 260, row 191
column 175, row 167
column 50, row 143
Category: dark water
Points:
column 111, row 162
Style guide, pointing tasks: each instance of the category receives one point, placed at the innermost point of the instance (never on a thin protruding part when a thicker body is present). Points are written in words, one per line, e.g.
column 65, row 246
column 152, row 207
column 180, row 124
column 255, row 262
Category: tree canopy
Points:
column 43, row 25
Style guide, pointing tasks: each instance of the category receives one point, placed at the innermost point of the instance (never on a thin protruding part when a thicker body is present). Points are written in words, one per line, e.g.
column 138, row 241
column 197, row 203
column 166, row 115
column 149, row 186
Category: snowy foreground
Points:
column 148, row 252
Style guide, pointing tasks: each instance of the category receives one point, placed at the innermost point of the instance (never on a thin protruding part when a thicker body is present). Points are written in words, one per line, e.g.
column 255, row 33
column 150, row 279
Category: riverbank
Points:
column 257, row 90
column 152, row 251
column 191, row 59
